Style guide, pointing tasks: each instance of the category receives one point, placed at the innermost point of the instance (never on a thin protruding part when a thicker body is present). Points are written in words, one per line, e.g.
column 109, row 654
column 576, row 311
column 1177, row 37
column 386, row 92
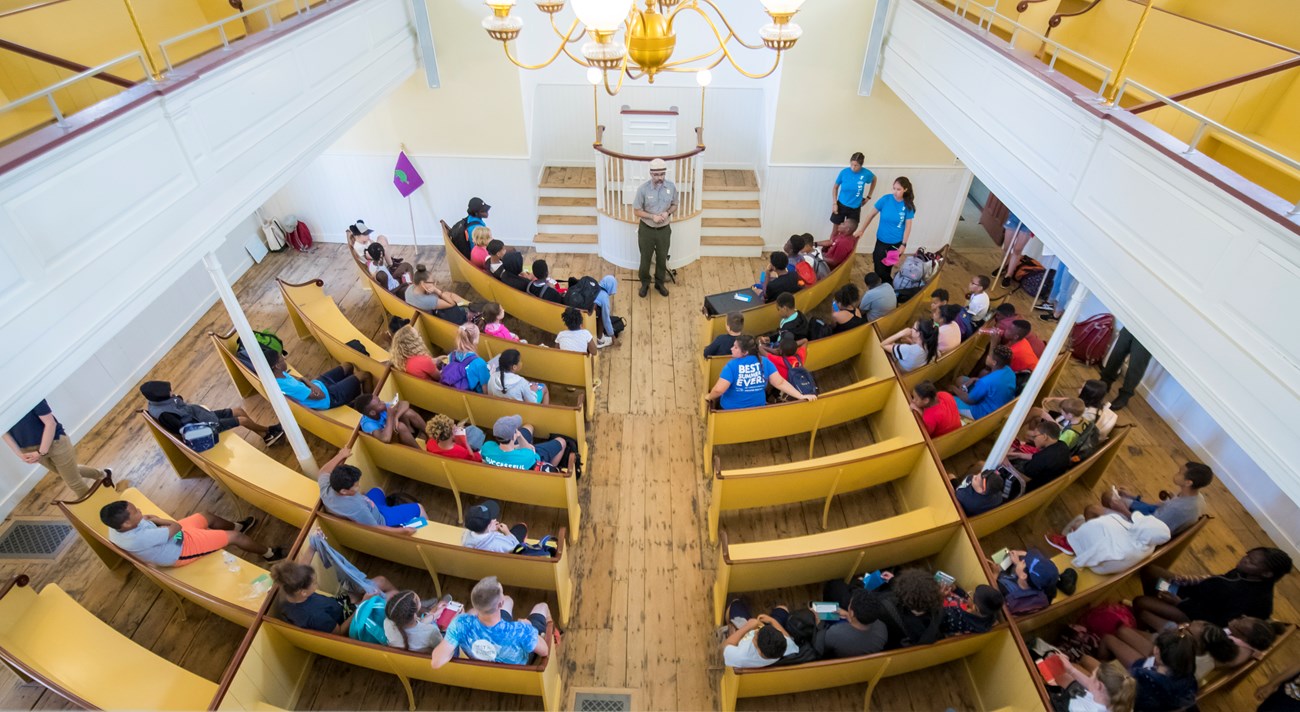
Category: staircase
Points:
column 729, row 223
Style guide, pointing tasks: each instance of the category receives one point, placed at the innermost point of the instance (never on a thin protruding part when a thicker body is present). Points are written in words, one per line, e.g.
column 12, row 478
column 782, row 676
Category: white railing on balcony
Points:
column 56, row 113
column 618, row 175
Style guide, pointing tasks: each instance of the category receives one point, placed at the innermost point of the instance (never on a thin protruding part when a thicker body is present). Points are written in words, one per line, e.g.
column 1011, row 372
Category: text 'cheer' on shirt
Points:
column 748, row 378
column 893, row 219
column 853, row 185
column 509, row 642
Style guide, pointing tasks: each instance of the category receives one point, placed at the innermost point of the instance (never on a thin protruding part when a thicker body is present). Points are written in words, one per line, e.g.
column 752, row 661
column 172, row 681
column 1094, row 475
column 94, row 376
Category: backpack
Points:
column 1027, row 266
column 542, row 291
column 368, row 621
column 1086, row 442
column 275, row 236
column 819, row 329
column 820, row 266
column 456, row 372
column 806, row 273
column 297, row 234
column 1090, row 339
column 800, row 377
column 931, row 633
column 199, row 436
column 1020, row 600
column 582, row 293
column 459, row 236
column 1037, row 282
column 1013, row 484
column 1106, row 419
column 268, row 340
column 911, row 274
column 547, row 547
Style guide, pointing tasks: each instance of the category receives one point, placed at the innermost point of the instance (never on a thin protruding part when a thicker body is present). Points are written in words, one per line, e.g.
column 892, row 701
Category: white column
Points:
column 1026, row 400
column 278, row 403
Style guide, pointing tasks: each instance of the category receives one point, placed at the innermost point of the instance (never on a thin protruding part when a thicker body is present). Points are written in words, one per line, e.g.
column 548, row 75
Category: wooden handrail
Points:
column 699, row 148
column 64, row 63
column 1221, row 84
column 1229, row 30
column 1055, row 20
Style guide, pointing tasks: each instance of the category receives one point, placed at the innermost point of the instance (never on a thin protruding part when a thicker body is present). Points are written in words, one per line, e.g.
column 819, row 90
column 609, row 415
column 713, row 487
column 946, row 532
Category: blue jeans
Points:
column 609, row 285
column 1062, row 285
column 1137, row 505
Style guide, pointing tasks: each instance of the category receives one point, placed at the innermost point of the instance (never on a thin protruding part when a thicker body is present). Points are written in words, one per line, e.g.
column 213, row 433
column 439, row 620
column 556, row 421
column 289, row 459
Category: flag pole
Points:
column 410, row 211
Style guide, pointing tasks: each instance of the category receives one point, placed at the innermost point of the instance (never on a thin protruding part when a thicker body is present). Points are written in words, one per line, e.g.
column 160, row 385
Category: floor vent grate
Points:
column 34, row 538
column 602, row 700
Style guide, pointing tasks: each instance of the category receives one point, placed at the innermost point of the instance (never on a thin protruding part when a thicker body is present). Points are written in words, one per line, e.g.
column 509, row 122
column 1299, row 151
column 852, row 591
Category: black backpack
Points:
column 582, row 293
column 460, row 238
column 544, row 291
column 801, row 378
column 819, row 329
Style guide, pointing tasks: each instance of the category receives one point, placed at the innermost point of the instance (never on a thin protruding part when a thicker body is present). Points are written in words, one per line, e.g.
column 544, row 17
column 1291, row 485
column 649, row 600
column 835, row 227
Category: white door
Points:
column 645, row 135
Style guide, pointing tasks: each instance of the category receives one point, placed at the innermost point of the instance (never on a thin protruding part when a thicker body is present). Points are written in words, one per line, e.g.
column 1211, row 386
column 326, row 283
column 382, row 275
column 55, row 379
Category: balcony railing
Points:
column 618, row 175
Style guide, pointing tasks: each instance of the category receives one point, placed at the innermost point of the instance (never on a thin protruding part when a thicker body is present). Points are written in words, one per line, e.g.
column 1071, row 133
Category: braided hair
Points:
column 401, row 610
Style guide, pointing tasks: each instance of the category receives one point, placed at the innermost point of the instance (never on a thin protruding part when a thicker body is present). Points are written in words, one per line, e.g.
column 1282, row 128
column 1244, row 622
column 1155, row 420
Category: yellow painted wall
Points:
column 820, row 119
column 1274, row 20
column 478, row 110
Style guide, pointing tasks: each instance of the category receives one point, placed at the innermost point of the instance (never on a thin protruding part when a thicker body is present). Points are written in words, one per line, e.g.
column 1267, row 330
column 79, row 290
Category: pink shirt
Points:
column 500, row 331
column 478, row 256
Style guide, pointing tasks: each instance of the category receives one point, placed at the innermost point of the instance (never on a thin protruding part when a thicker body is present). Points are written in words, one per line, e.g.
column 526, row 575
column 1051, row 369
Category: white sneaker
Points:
column 603, row 341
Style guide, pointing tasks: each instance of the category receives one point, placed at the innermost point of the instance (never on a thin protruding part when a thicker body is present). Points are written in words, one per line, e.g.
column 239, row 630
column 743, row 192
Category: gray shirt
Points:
column 655, row 199
column 150, row 542
column 420, row 300
column 358, row 507
column 1178, row 513
column 878, row 301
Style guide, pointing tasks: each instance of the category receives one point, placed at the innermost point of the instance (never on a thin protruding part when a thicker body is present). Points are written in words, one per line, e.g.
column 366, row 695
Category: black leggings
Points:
column 885, row 272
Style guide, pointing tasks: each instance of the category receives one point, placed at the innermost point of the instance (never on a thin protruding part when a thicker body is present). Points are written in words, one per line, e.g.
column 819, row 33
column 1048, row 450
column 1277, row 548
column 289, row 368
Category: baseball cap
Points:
column 506, row 426
column 477, row 204
column 156, row 390
column 1042, row 572
column 658, row 164
column 360, row 228
column 478, row 517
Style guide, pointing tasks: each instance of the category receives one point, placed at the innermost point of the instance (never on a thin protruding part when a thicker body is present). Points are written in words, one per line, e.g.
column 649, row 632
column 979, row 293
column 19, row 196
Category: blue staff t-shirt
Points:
column 301, row 392
column 992, row 392
column 853, row 186
column 893, row 219
column 27, row 433
column 509, row 642
column 370, row 425
column 748, row 378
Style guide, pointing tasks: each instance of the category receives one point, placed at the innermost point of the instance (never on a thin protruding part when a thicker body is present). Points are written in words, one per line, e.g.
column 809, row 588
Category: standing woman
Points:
column 848, row 190
column 896, row 212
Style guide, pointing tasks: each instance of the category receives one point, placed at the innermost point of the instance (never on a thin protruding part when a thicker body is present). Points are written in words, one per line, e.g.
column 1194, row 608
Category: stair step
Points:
column 561, row 202
column 729, row 180
column 730, row 222
column 732, row 240
column 566, row 219
column 564, row 238
column 727, row 204
column 568, row 177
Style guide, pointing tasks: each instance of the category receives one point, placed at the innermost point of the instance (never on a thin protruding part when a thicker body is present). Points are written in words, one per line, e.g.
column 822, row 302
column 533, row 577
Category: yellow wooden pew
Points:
column 762, row 318
column 267, row 672
column 968, row 435
column 1225, row 679
column 50, row 639
column 958, row 361
column 209, row 582
column 317, row 317
column 524, row 306
column 1093, row 587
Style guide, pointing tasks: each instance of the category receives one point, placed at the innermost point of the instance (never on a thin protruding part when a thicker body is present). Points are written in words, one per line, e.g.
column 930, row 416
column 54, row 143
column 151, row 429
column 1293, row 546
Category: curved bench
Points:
column 317, row 317
column 1092, row 586
column 542, row 314
column 1088, row 472
column 209, row 582
column 553, row 365
column 50, row 639
column 959, row 360
column 968, row 435
column 1221, row 678
column 762, row 318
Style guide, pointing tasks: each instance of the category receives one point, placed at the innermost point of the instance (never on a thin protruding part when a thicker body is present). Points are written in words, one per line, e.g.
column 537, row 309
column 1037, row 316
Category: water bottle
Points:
column 256, row 588
column 232, row 562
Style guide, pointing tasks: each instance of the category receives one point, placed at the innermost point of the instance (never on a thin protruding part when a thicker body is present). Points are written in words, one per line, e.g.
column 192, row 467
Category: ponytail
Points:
column 508, row 360
column 929, row 339
column 909, row 197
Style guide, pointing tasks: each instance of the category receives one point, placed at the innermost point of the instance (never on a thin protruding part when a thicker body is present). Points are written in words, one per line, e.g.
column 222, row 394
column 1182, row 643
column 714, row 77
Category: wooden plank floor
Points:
column 644, row 567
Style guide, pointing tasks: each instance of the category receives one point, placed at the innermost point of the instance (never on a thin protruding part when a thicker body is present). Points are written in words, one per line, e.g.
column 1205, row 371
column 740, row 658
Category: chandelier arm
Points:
column 622, row 71
column 688, row 60
column 727, row 53
column 733, row 34
column 564, row 45
column 556, row 29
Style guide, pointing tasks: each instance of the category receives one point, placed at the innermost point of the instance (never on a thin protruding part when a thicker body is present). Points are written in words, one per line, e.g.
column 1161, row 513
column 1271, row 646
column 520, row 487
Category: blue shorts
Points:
column 547, row 451
column 1137, row 505
column 393, row 516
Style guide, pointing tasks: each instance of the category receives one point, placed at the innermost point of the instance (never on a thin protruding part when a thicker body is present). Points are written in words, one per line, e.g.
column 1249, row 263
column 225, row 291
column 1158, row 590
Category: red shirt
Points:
column 842, row 246
column 782, row 367
column 459, row 449
column 1002, row 327
column 422, row 366
column 1023, row 357
column 478, row 257
column 942, row 417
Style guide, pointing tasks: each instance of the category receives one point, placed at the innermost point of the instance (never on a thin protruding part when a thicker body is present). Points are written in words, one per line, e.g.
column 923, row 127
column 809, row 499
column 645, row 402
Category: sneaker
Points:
column 1119, row 403
column 1060, row 543
column 604, row 341
column 273, row 435
column 277, row 553
column 1046, row 306
column 246, row 524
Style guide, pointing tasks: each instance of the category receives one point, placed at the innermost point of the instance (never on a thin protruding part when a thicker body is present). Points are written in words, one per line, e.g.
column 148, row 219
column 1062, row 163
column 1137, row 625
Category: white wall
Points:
column 113, row 371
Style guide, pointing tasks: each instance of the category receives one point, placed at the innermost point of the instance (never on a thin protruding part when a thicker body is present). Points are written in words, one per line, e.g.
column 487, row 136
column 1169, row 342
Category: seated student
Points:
column 574, row 337
column 489, row 632
column 392, row 274
column 938, row 410
column 938, row 299
column 1164, row 669
column 977, row 305
column 165, row 543
column 880, row 298
column 408, row 623
column 303, row 606
column 514, row 447
column 790, row 318
column 1111, row 543
column 512, row 272
column 917, row 616
column 845, row 312
column 484, row 531
column 1248, row 638
column 863, row 631
column 721, row 345
column 744, row 380
column 1003, row 320
column 778, row 279
column 977, row 397
column 496, row 250
column 756, row 641
column 978, row 613
column 785, row 354
column 1180, row 509
column 409, row 355
column 1030, row 584
column 542, row 286
column 1023, row 357
column 914, row 347
column 979, row 492
column 841, row 244
column 336, row 387
column 949, row 328
column 462, row 367
column 173, row 413
column 1107, row 687
column 1246, row 590
column 1048, row 462
column 494, row 322
column 425, row 295
column 478, row 255
column 801, row 258
column 385, row 423
column 1071, row 420
column 339, row 494
column 444, row 437
column 361, row 236
column 505, row 382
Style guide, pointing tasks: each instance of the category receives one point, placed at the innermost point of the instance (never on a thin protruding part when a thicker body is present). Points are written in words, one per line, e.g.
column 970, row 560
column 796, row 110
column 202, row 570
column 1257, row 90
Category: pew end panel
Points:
column 924, row 487
column 1001, row 676
column 838, row 348
column 175, row 453
column 962, row 561
column 872, row 361
column 271, row 674
column 226, row 347
column 895, row 418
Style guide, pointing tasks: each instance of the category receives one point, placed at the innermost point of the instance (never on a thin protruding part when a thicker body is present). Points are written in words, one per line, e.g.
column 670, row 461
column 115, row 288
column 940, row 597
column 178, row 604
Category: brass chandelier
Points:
column 650, row 36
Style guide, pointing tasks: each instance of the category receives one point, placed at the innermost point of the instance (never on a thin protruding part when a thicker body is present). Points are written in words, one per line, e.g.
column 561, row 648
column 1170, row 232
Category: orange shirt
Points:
column 1023, row 357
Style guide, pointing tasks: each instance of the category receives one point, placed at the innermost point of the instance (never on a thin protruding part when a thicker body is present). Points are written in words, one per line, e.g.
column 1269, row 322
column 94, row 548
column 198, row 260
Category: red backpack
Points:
column 1090, row 339
column 300, row 238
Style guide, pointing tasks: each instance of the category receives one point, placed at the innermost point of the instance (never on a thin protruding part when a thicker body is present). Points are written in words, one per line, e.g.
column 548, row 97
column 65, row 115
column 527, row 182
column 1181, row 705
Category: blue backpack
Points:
column 456, row 372
column 368, row 621
column 200, row 436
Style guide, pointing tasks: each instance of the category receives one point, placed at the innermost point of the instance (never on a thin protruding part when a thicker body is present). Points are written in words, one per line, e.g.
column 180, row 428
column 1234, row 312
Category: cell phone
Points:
column 944, row 579
column 835, row 306
column 826, row 610
column 762, row 277
column 417, row 523
column 1164, row 586
column 1002, row 557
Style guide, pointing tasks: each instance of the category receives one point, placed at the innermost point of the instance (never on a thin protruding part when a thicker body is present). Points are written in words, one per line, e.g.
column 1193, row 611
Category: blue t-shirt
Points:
column 853, row 186
column 992, row 392
column 370, row 425
column 509, row 642
column 748, row 378
column 893, row 219
column 27, row 432
column 319, row 613
column 520, row 458
column 301, row 392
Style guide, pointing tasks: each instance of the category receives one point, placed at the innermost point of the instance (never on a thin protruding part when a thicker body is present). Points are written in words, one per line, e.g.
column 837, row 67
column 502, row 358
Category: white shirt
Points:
column 422, row 636
column 979, row 306
column 745, row 655
column 576, row 340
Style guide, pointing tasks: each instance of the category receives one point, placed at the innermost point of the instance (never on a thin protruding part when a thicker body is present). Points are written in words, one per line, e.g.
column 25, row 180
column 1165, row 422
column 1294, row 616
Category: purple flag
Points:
column 405, row 177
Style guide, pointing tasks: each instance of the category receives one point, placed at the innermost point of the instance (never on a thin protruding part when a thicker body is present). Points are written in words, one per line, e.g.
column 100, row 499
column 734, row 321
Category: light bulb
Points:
column 782, row 7
column 603, row 15
column 703, row 77
column 594, row 76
